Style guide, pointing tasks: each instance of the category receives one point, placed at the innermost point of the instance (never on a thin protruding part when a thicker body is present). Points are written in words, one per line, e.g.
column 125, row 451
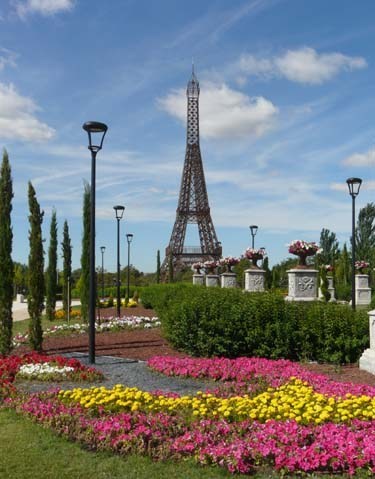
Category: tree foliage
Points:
column 330, row 247
column 85, row 255
column 158, row 266
column 365, row 234
column 51, row 276
column 67, row 268
column 36, row 275
column 6, row 263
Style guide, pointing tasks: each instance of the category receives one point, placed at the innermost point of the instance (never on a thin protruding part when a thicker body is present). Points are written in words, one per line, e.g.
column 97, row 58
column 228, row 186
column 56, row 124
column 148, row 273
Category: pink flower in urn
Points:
column 254, row 255
column 197, row 267
column 303, row 249
column 361, row 266
column 228, row 262
column 210, row 266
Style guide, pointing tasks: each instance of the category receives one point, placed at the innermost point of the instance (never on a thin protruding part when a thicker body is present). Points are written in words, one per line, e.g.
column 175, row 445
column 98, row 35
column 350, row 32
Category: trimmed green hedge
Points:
column 223, row 322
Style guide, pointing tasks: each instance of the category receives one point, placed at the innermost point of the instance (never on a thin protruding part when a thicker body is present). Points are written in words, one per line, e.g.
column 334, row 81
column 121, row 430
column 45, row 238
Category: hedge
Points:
column 223, row 322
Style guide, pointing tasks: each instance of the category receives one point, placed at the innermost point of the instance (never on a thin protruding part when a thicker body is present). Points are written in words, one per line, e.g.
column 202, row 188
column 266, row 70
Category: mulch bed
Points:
column 142, row 344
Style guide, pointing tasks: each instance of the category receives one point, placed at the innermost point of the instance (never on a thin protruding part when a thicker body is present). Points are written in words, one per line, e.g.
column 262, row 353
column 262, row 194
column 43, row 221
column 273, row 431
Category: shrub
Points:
column 217, row 322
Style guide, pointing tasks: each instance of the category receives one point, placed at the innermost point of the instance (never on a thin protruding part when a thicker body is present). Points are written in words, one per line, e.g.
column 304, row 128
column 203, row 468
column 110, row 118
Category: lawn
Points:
column 30, row 451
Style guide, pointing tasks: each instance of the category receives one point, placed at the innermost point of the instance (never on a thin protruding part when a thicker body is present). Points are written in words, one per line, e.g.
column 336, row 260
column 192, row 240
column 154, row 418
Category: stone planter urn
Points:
column 303, row 279
column 367, row 360
column 362, row 290
column 254, row 279
column 212, row 280
column 198, row 278
column 331, row 290
column 228, row 280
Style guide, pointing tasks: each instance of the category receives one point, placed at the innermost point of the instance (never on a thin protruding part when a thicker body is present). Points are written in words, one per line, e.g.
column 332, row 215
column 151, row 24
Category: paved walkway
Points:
column 20, row 309
column 131, row 373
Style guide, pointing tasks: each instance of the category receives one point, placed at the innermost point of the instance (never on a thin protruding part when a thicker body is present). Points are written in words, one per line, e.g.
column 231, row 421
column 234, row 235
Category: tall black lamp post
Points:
column 96, row 132
column 102, row 249
column 129, row 239
column 354, row 184
column 253, row 231
column 119, row 210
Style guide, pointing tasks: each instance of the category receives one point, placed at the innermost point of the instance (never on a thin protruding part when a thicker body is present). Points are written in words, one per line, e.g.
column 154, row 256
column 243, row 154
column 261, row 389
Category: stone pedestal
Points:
column 20, row 298
column 362, row 290
column 302, row 284
column 331, row 290
column 198, row 279
column 367, row 360
column 212, row 280
column 228, row 280
column 254, row 280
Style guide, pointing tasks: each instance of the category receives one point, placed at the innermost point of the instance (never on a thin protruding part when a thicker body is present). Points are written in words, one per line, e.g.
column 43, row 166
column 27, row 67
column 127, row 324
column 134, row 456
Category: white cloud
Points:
column 17, row 120
column 304, row 65
column 361, row 159
column 307, row 66
column 44, row 7
column 7, row 57
column 225, row 113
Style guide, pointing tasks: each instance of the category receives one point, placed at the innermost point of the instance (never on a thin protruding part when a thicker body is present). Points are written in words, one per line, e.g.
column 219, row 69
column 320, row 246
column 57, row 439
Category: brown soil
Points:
column 142, row 344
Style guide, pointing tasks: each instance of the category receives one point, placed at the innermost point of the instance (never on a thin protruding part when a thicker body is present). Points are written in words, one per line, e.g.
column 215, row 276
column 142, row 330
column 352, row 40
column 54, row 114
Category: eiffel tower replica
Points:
column 193, row 207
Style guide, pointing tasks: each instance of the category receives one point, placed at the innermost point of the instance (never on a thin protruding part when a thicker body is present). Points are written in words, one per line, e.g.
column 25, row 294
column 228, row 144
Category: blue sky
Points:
column 287, row 115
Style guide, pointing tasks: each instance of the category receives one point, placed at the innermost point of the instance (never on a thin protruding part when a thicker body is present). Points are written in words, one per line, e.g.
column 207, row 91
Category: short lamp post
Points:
column 129, row 239
column 354, row 184
column 102, row 249
column 96, row 132
column 119, row 210
column 253, row 231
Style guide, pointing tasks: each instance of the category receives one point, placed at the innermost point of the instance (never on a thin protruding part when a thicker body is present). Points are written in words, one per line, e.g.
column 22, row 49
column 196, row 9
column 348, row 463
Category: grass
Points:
column 22, row 326
column 30, row 451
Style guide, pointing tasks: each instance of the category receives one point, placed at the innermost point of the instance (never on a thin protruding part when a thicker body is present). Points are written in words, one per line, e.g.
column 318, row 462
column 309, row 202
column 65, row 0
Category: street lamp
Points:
column 253, row 231
column 97, row 131
column 102, row 249
column 129, row 239
column 119, row 210
column 354, row 184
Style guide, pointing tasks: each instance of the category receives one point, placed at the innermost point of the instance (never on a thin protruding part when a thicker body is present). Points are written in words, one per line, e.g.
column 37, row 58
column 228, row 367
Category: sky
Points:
column 287, row 109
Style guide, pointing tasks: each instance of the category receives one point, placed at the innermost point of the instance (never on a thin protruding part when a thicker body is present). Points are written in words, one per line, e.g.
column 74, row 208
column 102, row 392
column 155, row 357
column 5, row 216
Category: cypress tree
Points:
column 36, row 277
column 85, row 256
column 6, row 263
column 67, row 268
column 51, row 277
column 170, row 269
column 158, row 267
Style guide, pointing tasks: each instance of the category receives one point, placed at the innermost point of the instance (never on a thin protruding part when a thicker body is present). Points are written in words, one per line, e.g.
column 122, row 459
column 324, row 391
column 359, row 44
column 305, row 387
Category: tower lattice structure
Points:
column 193, row 207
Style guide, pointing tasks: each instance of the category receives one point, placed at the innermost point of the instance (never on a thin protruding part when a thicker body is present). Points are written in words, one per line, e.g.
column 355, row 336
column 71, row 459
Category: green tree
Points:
column 268, row 274
column 20, row 277
column 324, row 284
column 36, row 276
column 158, row 267
column 51, row 276
column 365, row 234
column 342, row 271
column 330, row 248
column 6, row 263
column 67, row 268
column 85, row 256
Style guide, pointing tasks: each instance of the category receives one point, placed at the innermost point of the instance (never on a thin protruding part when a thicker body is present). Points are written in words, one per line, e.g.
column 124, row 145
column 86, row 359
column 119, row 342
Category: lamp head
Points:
column 253, row 229
column 129, row 238
column 99, row 130
column 354, row 184
column 119, row 210
column 102, row 249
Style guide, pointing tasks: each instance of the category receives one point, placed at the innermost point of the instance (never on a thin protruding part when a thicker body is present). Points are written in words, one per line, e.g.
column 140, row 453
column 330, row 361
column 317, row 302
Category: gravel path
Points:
column 129, row 372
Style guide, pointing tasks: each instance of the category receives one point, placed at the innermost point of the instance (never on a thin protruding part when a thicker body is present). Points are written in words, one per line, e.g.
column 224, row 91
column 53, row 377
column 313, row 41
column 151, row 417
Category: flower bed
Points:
column 109, row 324
column 42, row 367
column 290, row 419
